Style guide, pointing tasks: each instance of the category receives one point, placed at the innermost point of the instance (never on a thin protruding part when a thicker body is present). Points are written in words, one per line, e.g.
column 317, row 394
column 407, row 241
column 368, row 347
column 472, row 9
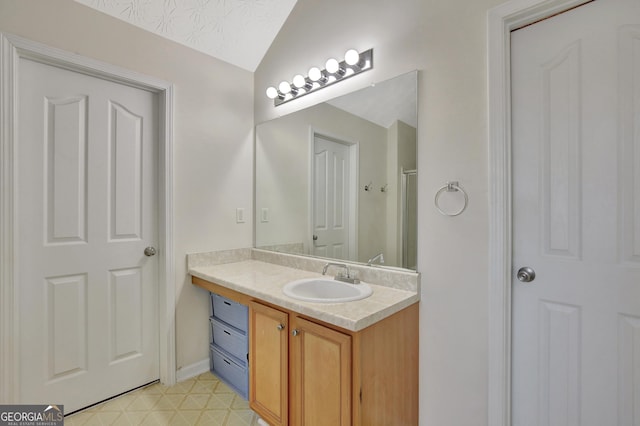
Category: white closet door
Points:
column 87, row 208
column 576, row 207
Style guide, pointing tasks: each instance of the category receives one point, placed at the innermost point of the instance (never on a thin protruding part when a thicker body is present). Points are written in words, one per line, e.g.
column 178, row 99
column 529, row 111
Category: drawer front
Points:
column 230, row 339
column 233, row 313
column 227, row 369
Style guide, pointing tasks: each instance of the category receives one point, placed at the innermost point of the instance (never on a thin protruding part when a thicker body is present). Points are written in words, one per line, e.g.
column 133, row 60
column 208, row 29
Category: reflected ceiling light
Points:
column 353, row 64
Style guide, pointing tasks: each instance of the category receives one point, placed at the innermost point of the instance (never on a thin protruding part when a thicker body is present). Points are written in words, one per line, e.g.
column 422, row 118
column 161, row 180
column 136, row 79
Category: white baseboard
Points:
column 192, row 370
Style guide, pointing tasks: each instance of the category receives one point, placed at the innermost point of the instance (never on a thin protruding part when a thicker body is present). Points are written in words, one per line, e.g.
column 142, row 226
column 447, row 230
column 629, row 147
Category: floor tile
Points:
column 213, row 417
column 169, row 402
column 202, row 400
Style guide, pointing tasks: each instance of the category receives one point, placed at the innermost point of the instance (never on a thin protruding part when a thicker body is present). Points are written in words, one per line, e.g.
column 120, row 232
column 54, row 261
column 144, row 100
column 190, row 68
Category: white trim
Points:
column 193, row 370
column 167, row 305
column 7, row 219
column 501, row 20
column 12, row 48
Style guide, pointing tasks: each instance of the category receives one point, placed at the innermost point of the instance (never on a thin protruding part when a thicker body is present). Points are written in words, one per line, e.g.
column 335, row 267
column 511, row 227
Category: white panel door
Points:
column 576, row 209
column 87, row 208
column 331, row 198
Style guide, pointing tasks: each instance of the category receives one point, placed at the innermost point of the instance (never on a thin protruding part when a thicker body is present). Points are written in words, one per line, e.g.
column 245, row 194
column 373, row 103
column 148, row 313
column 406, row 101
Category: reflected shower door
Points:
column 409, row 219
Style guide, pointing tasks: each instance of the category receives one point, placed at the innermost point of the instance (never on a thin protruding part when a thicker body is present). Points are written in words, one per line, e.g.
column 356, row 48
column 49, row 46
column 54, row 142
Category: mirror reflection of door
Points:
column 331, row 194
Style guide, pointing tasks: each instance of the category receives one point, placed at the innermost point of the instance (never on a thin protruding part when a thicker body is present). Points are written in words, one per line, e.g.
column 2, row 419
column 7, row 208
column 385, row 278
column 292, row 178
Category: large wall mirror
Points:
column 338, row 180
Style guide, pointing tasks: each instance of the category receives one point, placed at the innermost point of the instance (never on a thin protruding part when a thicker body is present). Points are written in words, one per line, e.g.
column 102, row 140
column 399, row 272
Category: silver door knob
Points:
column 150, row 251
column 295, row 332
column 280, row 327
column 526, row 274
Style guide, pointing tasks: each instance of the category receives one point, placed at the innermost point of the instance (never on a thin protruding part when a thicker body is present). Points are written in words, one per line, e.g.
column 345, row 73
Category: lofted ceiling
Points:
column 240, row 32
column 235, row 31
column 385, row 102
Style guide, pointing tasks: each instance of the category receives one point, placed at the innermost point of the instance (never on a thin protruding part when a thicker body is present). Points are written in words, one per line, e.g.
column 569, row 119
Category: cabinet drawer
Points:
column 227, row 369
column 230, row 339
column 233, row 313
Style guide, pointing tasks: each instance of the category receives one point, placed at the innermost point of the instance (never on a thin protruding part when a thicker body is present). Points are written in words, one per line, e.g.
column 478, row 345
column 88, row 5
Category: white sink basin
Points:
column 326, row 290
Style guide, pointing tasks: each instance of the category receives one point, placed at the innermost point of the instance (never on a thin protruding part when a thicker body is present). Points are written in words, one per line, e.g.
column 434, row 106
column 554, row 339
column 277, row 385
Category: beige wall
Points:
column 446, row 40
column 213, row 144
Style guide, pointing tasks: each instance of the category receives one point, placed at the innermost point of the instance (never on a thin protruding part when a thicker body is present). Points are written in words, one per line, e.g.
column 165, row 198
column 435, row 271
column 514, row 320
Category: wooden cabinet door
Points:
column 268, row 363
column 320, row 375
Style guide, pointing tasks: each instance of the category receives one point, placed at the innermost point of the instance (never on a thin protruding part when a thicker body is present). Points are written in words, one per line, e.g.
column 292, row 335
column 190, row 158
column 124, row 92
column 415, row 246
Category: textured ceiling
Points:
column 236, row 31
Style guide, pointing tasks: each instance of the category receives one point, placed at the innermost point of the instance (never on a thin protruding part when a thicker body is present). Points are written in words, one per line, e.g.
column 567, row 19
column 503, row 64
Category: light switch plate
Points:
column 239, row 215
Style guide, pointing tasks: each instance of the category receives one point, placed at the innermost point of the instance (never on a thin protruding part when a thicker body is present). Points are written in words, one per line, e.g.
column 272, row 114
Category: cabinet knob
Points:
column 295, row 332
column 280, row 327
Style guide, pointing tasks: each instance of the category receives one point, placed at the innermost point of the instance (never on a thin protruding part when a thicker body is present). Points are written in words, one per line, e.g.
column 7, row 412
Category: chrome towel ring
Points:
column 451, row 187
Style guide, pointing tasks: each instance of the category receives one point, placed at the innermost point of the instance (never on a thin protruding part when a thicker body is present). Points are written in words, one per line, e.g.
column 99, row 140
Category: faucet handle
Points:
column 379, row 257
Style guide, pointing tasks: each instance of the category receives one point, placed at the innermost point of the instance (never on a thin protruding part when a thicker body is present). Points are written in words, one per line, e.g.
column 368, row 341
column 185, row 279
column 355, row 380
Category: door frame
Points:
column 12, row 49
column 354, row 164
column 501, row 20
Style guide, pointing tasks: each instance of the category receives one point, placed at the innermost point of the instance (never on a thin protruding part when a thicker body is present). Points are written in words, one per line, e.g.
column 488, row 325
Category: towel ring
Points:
column 451, row 187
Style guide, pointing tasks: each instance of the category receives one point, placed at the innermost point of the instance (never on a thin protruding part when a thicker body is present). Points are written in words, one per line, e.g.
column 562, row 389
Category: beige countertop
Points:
column 264, row 281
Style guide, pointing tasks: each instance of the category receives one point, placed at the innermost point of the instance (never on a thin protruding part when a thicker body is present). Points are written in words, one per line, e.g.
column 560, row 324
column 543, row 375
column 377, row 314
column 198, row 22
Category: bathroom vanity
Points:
column 352, row 363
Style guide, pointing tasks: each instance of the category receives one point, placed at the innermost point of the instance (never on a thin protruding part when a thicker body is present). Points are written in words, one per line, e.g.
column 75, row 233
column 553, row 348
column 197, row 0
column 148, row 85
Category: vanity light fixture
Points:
column 300, row 82
column 333, row 66
column 352, row 57
column 284, row 88
column 315, row 75
column 354, row 63
column 272, row 93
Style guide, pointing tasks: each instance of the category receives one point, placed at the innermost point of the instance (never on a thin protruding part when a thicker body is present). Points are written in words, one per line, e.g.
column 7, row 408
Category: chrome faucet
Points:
column 344, row 277
column 378, row 256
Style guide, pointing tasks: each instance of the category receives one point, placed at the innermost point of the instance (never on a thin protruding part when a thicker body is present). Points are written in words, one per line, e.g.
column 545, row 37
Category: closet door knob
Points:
column 295, row 332
column 280, row 327
column 526, row 274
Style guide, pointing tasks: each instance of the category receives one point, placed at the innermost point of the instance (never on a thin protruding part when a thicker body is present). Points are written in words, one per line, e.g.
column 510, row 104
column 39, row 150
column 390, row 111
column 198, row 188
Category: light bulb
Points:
column 299, row 81
column 332, row 66
column 315, row 74
column 352, row 57
column 272, row 92
column 284, row 87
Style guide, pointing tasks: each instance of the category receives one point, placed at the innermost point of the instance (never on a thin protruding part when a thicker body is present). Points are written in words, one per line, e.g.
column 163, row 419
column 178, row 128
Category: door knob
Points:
column 280, row 327
column 526, row 274
column 295, row 332
column 315, row 238
column 150, row 251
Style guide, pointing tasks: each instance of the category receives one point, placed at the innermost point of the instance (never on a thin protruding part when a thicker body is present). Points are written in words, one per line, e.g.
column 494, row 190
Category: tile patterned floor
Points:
column 202, row 400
